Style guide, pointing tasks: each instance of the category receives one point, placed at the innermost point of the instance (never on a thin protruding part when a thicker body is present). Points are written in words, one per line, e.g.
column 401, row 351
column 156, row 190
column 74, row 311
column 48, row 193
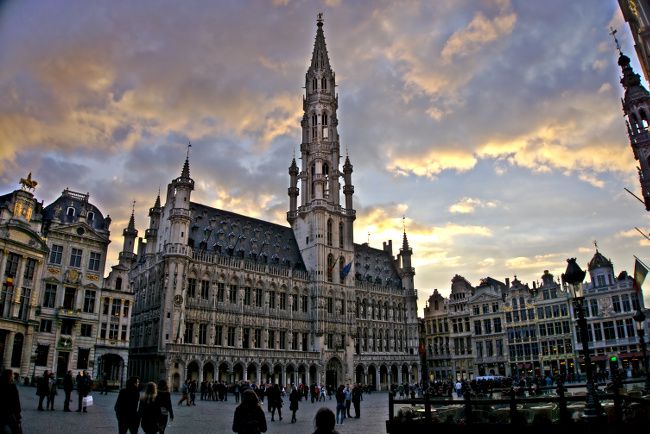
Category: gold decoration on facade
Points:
column 92, row 277
column 28, row 183
column 53, row 270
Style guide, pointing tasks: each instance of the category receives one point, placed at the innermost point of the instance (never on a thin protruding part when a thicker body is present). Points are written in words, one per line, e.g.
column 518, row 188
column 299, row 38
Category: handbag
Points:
column 87, row 401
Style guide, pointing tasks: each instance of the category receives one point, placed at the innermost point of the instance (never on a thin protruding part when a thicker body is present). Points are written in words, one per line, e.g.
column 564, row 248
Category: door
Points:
column 330, row 378
column 62, row 364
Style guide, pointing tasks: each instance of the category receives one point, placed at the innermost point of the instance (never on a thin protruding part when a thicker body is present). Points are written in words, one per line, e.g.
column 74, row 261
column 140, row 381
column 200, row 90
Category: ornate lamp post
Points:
column 639, row 318
column 573, row 277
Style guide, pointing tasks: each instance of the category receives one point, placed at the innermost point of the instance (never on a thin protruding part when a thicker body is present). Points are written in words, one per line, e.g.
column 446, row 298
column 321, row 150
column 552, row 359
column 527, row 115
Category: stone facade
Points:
column 220, row 295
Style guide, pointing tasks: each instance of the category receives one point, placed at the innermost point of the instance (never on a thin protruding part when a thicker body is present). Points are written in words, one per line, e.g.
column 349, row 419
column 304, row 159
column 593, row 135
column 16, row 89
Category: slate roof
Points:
column 226, row 233
column 79, row 201
column 375, row 266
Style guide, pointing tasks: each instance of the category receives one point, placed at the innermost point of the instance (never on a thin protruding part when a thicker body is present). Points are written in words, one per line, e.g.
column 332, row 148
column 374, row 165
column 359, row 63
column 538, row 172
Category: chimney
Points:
column 507, row 282
column 388, row 247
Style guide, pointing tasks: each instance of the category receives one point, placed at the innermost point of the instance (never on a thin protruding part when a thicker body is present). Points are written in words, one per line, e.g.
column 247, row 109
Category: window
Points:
column 341, row 234
column 477, row 328
column 123, row 332
column 486, row 309
column 55, row 254
column 598, row 332
column 283, row 340
column 594, row 307
column 107, row 303
column 305, row 340
column 218, row 335
column 86, row 330
column 75, row 257
column 626, row 302
column 499, row 347
column 205, row 289
column 30, row 267
column 304, row 301
column 245, row 337
column 329, row 232
column 102, row 331
column 497, row 325
column 42, row 352
column 479, row 349
column 271, row 343
column 258, row 297
column 294, row 302
column 283, row 301
column 95, row 259
column 620, row 329
column 125, row 311
column 330, row 341
column 487, row 325
column 69, row 298
column 257, row 339
column 247, row 296
column 271, row 299
column 203, row 334
column 495, row 307
column 66, row 326
column 116, row 307
column 49, row 296
column 113, row 332
column 489, row 351
column 294, row 340
column 221, row 289
column 540, row 313
column 629, row 326
column 231, row 336
column 600, row 280
column 616, row 303
column 476, row 311
column 45, row 326
column 89, row 301
column 330, row 267
column 118, row 284
column 608, row 328
column 189, row 333
column 330, row 304
column 191, row 288
column 232, row 294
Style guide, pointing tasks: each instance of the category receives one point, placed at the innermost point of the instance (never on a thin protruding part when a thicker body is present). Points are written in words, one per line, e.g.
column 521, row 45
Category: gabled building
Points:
column 488, row 326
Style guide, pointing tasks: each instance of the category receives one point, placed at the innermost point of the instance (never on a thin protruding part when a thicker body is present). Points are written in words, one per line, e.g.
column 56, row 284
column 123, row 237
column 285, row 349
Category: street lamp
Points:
column 573, row 277
column 639, row 318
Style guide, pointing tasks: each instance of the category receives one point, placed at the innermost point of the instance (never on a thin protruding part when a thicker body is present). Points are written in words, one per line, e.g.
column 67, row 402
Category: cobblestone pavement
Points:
column 205, row 417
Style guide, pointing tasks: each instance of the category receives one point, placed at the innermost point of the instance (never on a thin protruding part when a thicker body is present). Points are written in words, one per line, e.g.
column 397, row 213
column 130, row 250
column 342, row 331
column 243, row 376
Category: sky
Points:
column 494, row 126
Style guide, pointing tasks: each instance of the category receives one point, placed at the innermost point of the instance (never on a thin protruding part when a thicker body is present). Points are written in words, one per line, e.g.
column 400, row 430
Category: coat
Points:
column 249, row 420
column 126, row 406
column 293, row 400
column 149, row 412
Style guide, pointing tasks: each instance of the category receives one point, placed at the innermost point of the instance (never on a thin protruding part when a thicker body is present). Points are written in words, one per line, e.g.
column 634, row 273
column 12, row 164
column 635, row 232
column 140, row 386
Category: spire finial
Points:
column 404, row 223
column 185, row 173
column 319, row 19
column 133, row 207
column 368, row 238
column 596, row 244
column 613, row 31
column 131, row 226
column 189, row 145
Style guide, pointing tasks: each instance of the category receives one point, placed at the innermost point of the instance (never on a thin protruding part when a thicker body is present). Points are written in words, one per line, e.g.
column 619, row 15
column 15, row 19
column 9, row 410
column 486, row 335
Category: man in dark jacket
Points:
column 42, row 389
column 83, row 388
column 10, row 417
column 68, row 385
column 356, row 400
column 126, row 407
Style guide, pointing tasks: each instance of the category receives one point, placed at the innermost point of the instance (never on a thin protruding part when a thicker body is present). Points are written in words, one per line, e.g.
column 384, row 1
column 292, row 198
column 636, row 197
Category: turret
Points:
column 408, row 271
column 178, row 195
column 130, row 233
column 293, row 191
column 348, row 189
column 151, row 234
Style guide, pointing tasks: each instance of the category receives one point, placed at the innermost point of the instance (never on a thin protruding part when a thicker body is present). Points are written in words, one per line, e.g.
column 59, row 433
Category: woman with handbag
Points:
column 165, row 403
column 149, row 410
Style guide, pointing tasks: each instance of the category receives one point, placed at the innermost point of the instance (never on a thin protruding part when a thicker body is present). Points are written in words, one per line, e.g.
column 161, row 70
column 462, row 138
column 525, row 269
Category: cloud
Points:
column 468, row 205
column 479, row 32
column 432, row 163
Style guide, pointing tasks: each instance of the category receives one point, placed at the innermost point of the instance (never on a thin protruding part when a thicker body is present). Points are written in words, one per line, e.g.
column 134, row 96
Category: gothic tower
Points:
column 636, row 106
column 322, row 227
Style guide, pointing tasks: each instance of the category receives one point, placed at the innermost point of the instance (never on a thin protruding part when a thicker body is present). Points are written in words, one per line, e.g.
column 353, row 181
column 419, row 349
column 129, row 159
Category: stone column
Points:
column 9, row 346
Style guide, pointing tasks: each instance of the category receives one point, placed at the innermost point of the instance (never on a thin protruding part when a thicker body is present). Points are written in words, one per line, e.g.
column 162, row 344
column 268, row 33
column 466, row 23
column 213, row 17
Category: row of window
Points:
column 485, row 308
column 380, row 341
column 485, row 326
column 116, row 308
column 42, row 353
column 6, row 306
column 610, row 330
column 244, row 337
column 56, row 255
column 13, row 261
column 67, row 328
column 556, row 347
column 492, row 348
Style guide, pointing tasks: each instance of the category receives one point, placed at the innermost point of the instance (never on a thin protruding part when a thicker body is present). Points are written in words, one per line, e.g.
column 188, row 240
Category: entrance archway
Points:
column 193, row 371
column 333, row 373
column 208, row 371
column 291, row 375
column 224, row 370
column 313, row 374
column 111, row 367
column 405, row 373
column 302, row 374
column 176, row 382
column 251, row 373
column 266, row 374
column 394, row 379
column 238, row 372
column 277, row 375
column 383, row 376
column 372, row 377
column 359, row 375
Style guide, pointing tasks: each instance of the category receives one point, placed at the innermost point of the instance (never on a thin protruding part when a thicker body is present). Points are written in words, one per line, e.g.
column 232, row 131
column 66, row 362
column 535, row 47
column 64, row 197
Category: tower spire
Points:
column 319, row 58
column 131, row 226
column 185, row 173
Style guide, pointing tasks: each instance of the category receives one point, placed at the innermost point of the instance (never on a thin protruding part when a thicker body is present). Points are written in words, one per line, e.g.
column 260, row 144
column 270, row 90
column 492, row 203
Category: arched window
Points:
column 70, row 211
column 330, row 267
column 313, row 184
column 329, row 232
column 381, row 341
column 118, row 284
column 314, row 125
column 644, row 119
column 341, row 266
column 91, row 216
column 341, row 234
column 326, row 173
column 323, row 83
column 326, row 131
column 314, row 84
column 324, row 118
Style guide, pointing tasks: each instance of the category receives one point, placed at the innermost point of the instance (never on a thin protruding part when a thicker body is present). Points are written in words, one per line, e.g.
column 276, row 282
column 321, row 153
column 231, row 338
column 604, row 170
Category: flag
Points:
column 346, row 270
column 640, row 272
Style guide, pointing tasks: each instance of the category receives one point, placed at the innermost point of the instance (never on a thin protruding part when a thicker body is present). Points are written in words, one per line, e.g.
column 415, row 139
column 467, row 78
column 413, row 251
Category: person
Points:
column 324, row 421
column 165, row 403
column 52, row 391
column 348, row 400
column 10, row 418
column 236, row 391
column 149, row 409
column 356, row 400
column 83, row 389
column 68, row 385
column 126, row 407
column 294, row 397
column 104, row 385
column 275, row 402
column 184, row 393
column 340, row 404
column 249, row 417
column 43, row 389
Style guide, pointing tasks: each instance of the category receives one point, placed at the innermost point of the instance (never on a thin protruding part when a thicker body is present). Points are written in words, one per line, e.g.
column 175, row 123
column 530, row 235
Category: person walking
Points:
column 68, row 385
column 340, row 404
column 52, row 391
column 356, row 400
column 149, row 409
column 275, row 402
column 10, row 418
column 249, row 417
column 126, row 407
column 42, row 389
column 184, row 393
column 83, row 389
column 165, row 402
column 294, row 398
column 324, row 421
